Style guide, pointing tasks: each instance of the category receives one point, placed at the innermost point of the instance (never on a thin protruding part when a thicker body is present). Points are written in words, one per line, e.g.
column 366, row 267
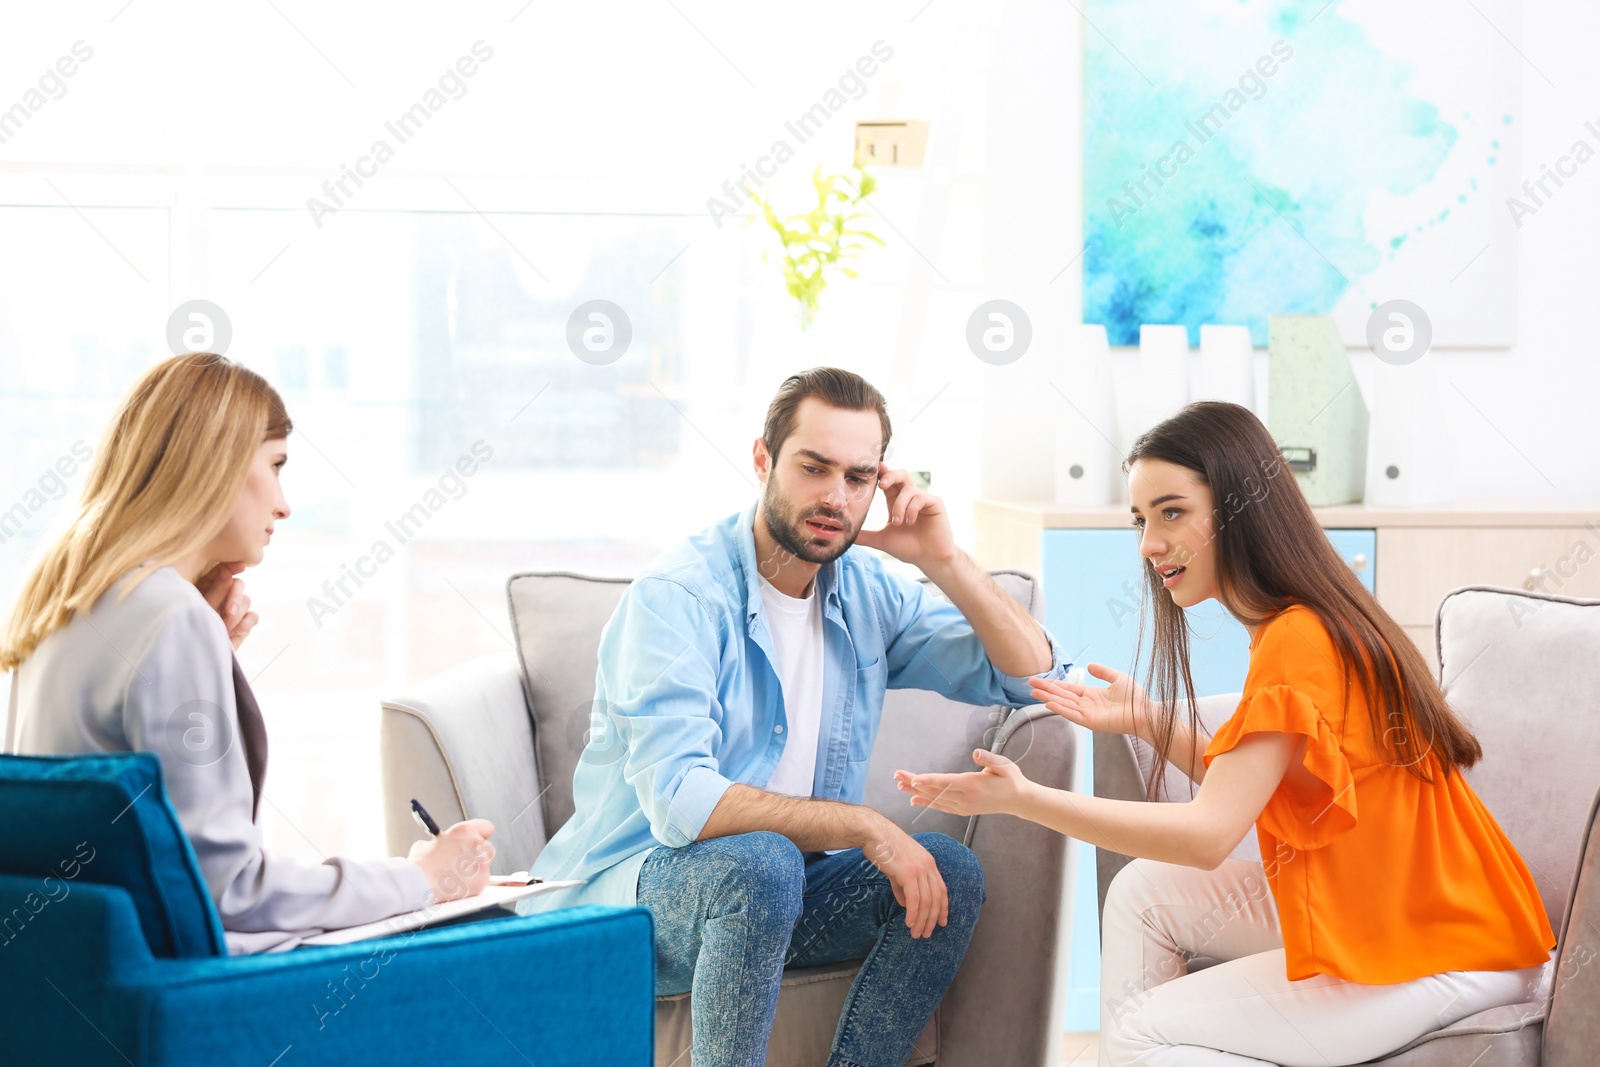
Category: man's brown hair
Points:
column 833, row 386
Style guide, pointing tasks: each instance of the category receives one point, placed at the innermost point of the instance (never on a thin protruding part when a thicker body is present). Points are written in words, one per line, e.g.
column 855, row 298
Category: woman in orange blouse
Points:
column 1388, row 902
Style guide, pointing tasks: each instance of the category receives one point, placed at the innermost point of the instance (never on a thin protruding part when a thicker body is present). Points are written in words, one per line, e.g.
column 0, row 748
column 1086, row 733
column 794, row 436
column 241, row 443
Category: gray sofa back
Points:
column 925, row 732
column 1572, row 1027
column 1523, row 670
column 558, row 617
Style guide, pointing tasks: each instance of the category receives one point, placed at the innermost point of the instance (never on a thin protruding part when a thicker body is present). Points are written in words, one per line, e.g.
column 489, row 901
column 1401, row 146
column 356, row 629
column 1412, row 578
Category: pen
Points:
column 420, row 813
column 519, row 878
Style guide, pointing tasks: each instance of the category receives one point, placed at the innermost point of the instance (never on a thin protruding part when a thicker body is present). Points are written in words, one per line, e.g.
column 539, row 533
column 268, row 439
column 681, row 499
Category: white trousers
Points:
column 1244, row 1012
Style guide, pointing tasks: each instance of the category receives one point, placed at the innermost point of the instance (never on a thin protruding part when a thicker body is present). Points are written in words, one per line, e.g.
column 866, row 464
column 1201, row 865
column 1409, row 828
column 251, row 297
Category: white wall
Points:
column 635, row 101
column 629, row 106
column 1534, row 434
column 193, row 110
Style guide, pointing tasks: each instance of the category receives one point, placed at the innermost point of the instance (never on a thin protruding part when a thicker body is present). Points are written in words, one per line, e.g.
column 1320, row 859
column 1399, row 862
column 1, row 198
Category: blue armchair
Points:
column 111, row 951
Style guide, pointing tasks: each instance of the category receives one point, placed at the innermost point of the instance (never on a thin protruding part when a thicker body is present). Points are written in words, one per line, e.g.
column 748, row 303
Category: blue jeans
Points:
column 732, row 912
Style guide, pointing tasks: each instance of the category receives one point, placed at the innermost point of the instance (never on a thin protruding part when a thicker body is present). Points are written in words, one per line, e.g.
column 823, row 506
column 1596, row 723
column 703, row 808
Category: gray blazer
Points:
column 154, row 672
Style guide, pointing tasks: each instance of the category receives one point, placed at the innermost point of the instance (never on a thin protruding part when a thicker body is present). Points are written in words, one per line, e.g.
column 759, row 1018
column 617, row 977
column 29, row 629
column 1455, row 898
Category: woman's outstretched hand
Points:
column 1117, row 708
column 999, row 787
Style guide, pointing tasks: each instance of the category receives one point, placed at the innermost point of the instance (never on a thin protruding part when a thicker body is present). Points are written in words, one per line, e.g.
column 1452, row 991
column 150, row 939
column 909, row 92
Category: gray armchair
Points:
column 1522, row 668
column 499, row 738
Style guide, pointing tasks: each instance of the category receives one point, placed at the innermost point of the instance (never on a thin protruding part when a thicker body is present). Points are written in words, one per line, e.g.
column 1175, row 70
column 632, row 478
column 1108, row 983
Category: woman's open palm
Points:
column 1117, row 708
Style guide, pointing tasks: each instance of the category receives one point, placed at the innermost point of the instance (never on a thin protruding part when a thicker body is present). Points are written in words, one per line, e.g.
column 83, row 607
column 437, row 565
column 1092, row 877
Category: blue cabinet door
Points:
column 1093, row 586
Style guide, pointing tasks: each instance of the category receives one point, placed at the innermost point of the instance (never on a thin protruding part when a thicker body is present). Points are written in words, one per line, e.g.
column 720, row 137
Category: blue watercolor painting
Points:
column 1243, row 159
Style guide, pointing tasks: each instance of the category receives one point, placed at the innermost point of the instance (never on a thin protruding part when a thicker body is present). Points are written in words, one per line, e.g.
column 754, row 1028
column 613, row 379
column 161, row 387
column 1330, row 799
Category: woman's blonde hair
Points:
column 162, row 485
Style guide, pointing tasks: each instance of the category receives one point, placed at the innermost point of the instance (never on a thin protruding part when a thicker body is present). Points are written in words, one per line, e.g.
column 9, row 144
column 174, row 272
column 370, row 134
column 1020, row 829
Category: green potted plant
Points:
column 820, row 245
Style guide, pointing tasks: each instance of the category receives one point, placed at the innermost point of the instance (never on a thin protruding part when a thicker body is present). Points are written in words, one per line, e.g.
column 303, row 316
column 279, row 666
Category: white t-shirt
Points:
column 796, row 628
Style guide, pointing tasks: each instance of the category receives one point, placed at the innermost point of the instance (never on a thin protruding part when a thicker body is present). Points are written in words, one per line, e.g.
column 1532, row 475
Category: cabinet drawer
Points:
column 1421, row 564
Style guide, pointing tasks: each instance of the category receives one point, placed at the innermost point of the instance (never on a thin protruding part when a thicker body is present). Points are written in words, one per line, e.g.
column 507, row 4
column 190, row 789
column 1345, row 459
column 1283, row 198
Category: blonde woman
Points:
column 123, row 640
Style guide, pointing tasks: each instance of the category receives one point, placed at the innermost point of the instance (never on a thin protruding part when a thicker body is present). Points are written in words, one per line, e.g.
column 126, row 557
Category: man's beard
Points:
column 788, row 528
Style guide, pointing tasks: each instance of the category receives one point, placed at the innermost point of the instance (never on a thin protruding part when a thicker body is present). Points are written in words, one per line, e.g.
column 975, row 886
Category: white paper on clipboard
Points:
column 492, row 896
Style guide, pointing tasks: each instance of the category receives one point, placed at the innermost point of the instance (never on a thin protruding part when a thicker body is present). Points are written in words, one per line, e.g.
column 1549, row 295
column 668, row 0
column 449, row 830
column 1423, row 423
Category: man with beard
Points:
column 738, row 695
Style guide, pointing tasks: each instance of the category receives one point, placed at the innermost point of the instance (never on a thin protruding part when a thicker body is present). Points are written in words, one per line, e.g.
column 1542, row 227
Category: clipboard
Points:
column 492, row 896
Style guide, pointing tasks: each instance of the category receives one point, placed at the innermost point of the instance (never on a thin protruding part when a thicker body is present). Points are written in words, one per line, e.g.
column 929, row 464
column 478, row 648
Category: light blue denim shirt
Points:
column 687, row 701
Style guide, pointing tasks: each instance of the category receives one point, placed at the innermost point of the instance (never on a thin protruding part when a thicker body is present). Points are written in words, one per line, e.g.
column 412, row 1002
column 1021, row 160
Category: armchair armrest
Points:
column 462, row 743
column 574, row 986
column 1006, row 985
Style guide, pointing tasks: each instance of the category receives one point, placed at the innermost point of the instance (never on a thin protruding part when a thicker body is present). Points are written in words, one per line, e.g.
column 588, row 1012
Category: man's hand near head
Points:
column 918, row 532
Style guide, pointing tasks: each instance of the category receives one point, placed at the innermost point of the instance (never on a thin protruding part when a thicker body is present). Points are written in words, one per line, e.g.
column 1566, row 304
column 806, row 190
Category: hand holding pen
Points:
column 455, row 861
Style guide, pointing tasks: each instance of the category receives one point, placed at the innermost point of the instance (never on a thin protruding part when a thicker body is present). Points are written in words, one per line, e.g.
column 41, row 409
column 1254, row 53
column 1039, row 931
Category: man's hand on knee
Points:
column 913, row 876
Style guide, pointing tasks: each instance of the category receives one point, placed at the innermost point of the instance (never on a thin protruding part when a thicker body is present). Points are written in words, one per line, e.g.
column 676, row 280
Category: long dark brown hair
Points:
column 1271, row 553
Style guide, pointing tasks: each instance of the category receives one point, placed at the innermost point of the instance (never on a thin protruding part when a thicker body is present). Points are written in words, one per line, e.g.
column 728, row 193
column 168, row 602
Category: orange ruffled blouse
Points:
column 1379, row 877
